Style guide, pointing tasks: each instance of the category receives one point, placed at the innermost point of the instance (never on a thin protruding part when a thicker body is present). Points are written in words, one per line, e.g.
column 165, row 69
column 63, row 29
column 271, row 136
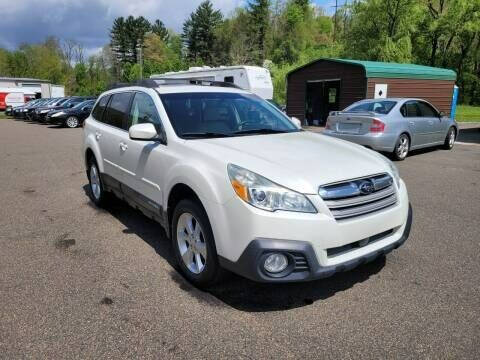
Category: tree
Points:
column 160, row 29
column 199, row 33
column 258, row 24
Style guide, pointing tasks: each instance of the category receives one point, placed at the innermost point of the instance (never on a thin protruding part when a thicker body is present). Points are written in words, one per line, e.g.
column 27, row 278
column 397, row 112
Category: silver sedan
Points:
column 394, row 125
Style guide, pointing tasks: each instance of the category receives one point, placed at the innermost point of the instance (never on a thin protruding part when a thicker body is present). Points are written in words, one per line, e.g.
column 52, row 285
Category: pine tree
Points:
column 259, row 19
column 199, row 32
column 159, row 29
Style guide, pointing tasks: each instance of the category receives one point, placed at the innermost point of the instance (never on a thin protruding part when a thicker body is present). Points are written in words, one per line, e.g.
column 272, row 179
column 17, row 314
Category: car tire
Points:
column 194, row 248
column 450, row 139
column 96, row 192
column 71, row 122
column 402, row 147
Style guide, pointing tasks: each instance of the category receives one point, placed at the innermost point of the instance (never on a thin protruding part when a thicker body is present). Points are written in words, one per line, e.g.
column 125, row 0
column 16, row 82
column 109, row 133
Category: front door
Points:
column 420, row 127
column 143, row 160
column 437, row 124
column 322, row 97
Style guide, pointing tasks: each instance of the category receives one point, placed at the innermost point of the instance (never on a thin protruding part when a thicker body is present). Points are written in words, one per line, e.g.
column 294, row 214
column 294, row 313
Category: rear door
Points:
column 419, row 126
column 111, row 135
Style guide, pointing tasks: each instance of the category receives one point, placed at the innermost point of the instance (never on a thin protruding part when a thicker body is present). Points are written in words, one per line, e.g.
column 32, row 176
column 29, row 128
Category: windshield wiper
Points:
column 204, row 135
column 260, row 131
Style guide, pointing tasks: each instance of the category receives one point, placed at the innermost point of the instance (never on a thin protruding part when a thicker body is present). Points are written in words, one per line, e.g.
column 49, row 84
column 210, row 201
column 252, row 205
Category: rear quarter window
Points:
column 117, row 109
column 98, row 111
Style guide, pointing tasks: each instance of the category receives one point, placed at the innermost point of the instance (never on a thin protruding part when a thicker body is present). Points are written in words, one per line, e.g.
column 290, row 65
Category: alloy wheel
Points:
column 95, row 182
column 403, row 145
column 72, row 122
column 191, row 243
column 451, row 138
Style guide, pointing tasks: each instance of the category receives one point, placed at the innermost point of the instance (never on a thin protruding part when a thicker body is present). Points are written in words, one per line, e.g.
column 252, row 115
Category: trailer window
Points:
column 229, row 79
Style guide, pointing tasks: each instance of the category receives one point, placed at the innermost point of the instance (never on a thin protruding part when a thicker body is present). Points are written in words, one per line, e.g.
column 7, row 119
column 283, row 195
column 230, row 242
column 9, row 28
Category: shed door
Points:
column 322, row 97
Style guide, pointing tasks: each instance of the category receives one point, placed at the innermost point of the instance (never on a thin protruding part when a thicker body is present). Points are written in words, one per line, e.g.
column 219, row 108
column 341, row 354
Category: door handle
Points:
column 412, row 123
column 430, row 122
column 98, row 135
column 123, row 146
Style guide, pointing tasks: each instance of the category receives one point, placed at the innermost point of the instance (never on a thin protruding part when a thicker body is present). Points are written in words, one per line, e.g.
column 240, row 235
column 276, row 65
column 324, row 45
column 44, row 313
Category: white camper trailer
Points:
column 252, row 78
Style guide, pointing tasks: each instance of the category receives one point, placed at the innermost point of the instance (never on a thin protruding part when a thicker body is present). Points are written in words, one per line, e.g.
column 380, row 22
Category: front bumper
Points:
column 379, row 142
column 304, row 262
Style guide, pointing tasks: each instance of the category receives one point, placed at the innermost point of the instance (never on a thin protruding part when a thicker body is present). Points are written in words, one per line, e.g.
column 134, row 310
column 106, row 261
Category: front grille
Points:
column 332, row 252
column 358, row 197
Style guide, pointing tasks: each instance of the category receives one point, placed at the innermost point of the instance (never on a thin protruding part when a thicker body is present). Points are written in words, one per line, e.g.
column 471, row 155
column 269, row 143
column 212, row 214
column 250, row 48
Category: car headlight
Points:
column 58, row 114
column 264, row 194
column 44, row 111
column 395, row 173
column 25, row 110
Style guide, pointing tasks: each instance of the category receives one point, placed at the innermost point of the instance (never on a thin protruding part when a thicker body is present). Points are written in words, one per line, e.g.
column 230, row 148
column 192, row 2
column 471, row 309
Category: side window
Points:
column 229, row 79
column 117, row 109
column 97, row 112
column 427, row 110
column 143, row 110
column 413, row 109
column 403, row 110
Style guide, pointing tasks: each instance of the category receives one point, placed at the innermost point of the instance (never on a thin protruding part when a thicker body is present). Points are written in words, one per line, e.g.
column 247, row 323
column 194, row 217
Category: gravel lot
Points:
column 77, row 282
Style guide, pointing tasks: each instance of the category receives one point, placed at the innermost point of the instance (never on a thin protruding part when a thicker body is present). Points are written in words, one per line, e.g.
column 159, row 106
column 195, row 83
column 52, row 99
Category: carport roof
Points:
column 375, row 69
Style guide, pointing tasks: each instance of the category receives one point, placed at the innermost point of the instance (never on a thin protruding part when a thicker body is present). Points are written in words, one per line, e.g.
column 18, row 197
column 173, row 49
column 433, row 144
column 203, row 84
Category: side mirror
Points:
column 296, row 122
column 143, row 132
column 71, row 105
column 441, row 114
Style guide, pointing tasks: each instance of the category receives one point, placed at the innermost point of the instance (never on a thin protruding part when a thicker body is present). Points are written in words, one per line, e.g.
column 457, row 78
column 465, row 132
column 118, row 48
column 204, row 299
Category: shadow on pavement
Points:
column 469, row 135
column 235, row 291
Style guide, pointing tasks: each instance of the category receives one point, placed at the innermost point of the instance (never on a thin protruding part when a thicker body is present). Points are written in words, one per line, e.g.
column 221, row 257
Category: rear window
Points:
column 379, row 107
column 97, row 112
column 117, row 109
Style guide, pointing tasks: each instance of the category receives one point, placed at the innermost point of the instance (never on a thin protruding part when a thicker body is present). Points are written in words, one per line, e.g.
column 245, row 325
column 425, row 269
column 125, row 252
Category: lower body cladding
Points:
column 308, row 246
column 377, row 141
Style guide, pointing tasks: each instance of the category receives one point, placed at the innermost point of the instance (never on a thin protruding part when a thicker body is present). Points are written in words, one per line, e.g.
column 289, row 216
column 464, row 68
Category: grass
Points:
column 466, row 113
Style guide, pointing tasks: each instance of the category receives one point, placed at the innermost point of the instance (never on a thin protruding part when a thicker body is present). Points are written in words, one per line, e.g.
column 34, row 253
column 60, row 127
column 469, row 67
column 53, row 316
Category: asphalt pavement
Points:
column 79, row 282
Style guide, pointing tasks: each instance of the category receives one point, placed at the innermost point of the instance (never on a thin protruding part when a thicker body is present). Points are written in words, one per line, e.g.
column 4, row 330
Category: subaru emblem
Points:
column 366, row 187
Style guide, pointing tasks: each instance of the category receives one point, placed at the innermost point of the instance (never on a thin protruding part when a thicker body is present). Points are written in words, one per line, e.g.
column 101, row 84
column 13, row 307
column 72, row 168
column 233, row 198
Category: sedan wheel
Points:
column 402, row 147
column 72, row 122
column 95, row 185
column 191, row 243
column 450, row 139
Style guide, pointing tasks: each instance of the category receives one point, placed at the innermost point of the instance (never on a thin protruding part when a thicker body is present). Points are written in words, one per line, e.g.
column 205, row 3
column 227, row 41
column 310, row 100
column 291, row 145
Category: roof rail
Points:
column 194, row 81
column 148, row 83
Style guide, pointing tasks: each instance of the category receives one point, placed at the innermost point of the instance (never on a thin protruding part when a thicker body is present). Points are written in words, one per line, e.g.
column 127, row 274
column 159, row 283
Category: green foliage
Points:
column 280, row 34
column 199, row 33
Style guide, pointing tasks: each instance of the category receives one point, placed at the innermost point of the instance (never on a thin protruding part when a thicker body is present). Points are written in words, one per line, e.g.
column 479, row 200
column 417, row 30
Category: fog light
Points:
column 275, row 263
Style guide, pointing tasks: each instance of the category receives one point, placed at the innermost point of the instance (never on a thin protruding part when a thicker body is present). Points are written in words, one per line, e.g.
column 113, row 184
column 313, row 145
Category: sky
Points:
column 89, row 21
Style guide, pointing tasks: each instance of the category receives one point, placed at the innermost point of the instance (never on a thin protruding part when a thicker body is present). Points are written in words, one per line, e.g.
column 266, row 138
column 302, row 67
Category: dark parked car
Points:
column 41, row 112
column 29, row 114
column 20, row 112
column 71, row 117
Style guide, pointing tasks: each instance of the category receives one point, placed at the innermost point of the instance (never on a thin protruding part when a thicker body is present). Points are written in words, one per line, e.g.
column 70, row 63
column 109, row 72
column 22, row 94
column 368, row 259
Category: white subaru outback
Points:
column 238, row 186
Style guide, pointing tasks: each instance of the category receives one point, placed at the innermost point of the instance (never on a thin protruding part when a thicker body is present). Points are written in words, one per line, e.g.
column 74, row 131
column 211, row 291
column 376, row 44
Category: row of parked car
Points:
column 66, row 111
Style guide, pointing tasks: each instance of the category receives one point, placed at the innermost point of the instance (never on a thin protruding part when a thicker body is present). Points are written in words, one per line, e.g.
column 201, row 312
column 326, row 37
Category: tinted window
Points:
column 143, row 110
column 97, row 113
column 228, row 79
column 117, row 109
column 427, row 110
column 380, row 107
column 223, row 114
column 413, row 109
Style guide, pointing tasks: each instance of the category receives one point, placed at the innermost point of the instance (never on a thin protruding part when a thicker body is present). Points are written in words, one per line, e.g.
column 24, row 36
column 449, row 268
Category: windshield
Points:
column 82, row 104
column 379, row 107
column 200, row 115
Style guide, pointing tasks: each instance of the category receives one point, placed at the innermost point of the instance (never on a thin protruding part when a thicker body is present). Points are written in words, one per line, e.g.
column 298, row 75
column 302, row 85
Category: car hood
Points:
column 301, row 161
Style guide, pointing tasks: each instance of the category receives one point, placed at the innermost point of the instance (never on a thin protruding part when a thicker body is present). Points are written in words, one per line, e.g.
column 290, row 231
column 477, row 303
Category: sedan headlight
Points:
column 395, row 173
column 58, row 114
column 264, row 194
column 25, row 110
column 44, row 111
